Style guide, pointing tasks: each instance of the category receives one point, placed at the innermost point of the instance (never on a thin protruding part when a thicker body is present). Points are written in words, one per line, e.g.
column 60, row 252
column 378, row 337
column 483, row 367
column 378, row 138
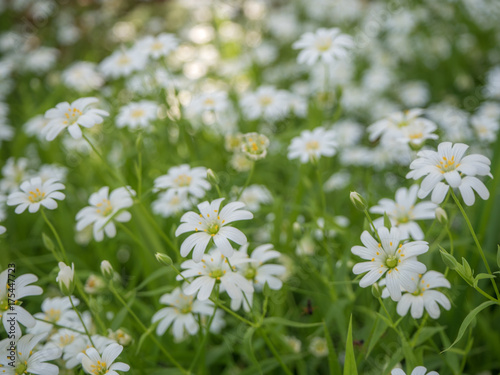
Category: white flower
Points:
column 14, row 172
column 72, row 116
column 403, row 212
column 94, row 364
column 311, row 145
column 181, row 314
column 137, row 115
column 397, row 260
column 82, row 77
column 74, row 350
column 123, row 63
column 214, row 101
column 267, row 103
column 406, row 127
column 157, row 46
column 65, row 278
column 450, row 165
column 56, row 310
column 34, row 193
column 212, row 224
column 104, row 209
column 486, row 128
column 20, row 288
column 256, row 271
column 171, row 203
column 48, row 171
column 35, row 125
column 184, row 179
column 318, row 347
column 420, row 370
column 325, row 45
column 26, row 358
column 424, row 296
column 215, row 268
column 254, row 145
column 255, row 195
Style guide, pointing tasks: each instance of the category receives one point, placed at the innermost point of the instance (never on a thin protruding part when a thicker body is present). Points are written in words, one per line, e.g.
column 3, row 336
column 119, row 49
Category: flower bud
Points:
column 120, row 336
column 65, row 278
column 448, row 259
column 358, row 201
column 107, row 270
column 212, row 177
column 163, row 258
column 377, row 293
column 441, row 215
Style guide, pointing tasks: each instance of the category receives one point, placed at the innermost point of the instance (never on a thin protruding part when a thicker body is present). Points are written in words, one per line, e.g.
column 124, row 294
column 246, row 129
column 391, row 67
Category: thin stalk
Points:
column 250, row 174
column 81, row 320
column 481, row 252
column 275, row 353
column 56, row 235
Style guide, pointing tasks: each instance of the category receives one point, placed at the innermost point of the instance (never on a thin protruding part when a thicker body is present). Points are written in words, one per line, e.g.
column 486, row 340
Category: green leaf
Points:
column 333, row 360
column 350, row 360
column 387, row 221
column 468, row 319
column 482, row 276
column 289, row 323
column 425, row 334
column 448, row 259
column 247, row 340
column 498, row 256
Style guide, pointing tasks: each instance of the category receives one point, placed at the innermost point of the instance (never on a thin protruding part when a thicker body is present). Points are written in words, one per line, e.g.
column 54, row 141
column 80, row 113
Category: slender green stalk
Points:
column 201, row 346
column 81, row 320
column 450, row 237
column 275, row 353
column 371, row 223
column 56, row 235
column 481, row 252
column 247, row 182
column 321, row 193
column 96, row 316
column 143, row 327
column 60, row 326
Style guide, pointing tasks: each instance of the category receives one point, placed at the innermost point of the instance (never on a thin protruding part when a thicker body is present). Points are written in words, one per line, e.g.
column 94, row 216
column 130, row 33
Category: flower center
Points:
column 250, row 273
column 137, row 113
column 416, row 135
column 391, row 261
column 447, row 165
column 104, row 207
column 36, row 196
column 21, row 368
column 209, row 102
column 72, row 114
column 213, row 228
column 175, row 200
column 323, row 44
column 156, row 46
column 183, row 180
column 99, row 369
column 66, row 339
column 123, row 60
column 265, row 100
column 312, row 146
column 53, row 315
column 217, row 273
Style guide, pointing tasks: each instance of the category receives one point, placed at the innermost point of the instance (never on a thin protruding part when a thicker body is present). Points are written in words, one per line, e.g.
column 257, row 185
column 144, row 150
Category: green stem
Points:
column 201, row 347
column 56, row 235
column 96, row 316
column 373, row 225
column 143, row 327
column 81, row 320
column 250, row 174
column 60, row 326
column 481, row 252
column 167, row 240
column 275, row 353
column 451, row 246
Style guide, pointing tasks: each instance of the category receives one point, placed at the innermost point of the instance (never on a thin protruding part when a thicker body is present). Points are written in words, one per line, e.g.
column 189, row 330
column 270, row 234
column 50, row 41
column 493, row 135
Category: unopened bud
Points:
column 107, row 270
column 163, row 258
column 212, row 177
column 377, row 293
column 448, row 259
column 65, row 278
column 441, row 215
column 358, row 201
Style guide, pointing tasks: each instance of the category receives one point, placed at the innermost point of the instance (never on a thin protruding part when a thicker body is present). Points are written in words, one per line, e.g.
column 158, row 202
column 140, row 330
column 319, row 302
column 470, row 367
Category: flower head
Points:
column 104, row 209
column 325, row 45
column 94, row 364
column 72, row 116
column 36, row 192
column 420, row 370
column 212, row 224
column 447, row 167
column 254, row 145
column 392, row 258
column 184, row 179
column 65, row 278
column 311, row 145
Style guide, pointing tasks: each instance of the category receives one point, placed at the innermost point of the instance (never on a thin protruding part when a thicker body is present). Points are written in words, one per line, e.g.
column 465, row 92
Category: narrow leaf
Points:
column 350, row 360
column 333, row 360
